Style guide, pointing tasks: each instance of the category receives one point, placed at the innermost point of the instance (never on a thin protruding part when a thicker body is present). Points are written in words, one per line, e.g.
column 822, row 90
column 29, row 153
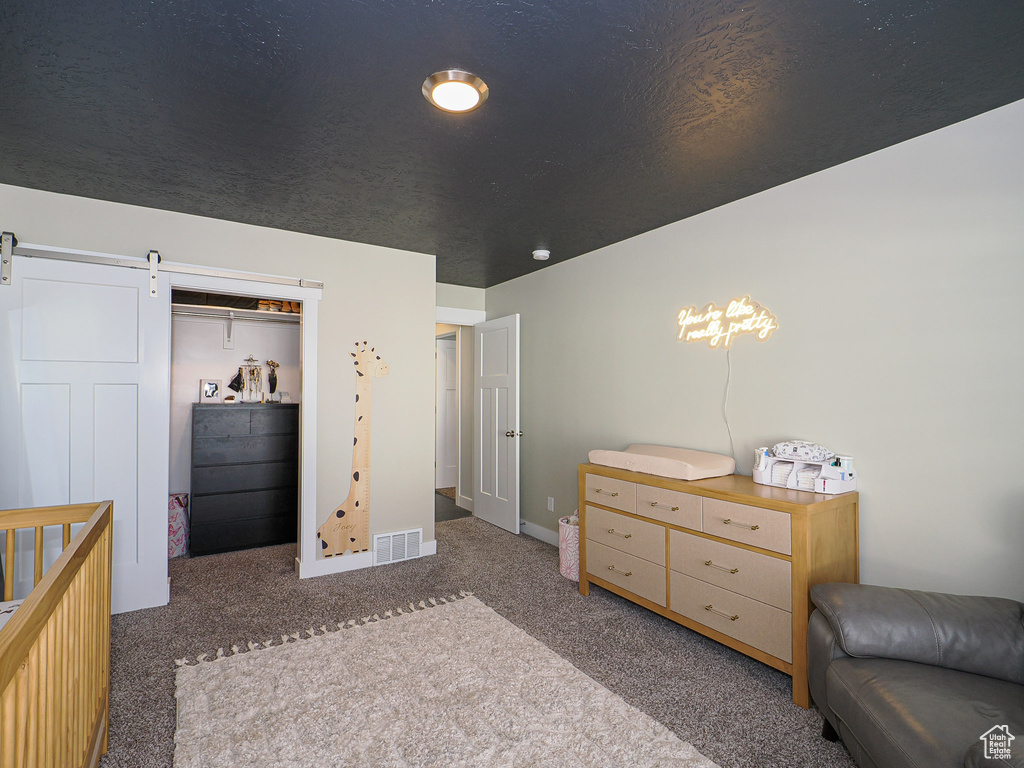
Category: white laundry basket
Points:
column 569, row 549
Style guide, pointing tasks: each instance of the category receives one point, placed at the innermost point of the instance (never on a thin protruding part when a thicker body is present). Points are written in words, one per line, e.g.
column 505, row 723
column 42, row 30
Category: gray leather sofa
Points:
column 917, row 679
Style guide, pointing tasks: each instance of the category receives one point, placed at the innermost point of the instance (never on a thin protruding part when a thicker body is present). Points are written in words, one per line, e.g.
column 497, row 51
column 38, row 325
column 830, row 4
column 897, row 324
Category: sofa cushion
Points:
column 909, row 714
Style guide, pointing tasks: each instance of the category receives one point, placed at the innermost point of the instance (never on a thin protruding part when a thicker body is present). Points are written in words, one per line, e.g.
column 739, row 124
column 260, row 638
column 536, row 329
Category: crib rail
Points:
column 55, row 650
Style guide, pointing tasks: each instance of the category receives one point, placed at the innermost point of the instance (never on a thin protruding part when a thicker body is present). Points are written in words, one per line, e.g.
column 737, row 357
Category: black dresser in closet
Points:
column 245, row 476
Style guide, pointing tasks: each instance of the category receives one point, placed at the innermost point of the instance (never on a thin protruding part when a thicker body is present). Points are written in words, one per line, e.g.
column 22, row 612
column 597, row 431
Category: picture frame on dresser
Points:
column 210, row 390
column 723, row 556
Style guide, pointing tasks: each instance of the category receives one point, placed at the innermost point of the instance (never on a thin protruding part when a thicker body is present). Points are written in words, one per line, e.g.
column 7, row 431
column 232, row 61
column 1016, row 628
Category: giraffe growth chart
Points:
column 347, row 530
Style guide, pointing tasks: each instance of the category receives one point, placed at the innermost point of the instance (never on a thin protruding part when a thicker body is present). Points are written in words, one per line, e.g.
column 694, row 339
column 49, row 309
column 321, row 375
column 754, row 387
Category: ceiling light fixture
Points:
column 542, row 254
column 455, row 91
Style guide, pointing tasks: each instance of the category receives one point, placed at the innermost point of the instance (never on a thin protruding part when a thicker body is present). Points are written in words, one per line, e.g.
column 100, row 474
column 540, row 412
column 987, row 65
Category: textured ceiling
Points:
column 606, row 118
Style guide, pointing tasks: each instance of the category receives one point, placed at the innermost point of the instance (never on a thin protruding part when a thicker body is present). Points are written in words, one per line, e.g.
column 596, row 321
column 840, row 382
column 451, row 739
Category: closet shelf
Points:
column 230, row 313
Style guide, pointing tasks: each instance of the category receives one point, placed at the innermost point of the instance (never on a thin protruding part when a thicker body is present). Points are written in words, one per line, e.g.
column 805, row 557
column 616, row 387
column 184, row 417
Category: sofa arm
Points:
column 981, row 635
column 822, row 650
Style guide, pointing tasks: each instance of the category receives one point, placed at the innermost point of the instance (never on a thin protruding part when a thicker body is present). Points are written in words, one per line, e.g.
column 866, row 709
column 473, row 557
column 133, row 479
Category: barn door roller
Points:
column 153, row 257
column 7, row 256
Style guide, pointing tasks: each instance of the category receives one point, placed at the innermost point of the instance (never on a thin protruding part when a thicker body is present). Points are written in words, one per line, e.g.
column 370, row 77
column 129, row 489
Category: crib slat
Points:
column 9, row 573
column 51, row 704
column 7, row 710
column 32, row 705
column 20, row 715
column 39, row 557
column 67, row 536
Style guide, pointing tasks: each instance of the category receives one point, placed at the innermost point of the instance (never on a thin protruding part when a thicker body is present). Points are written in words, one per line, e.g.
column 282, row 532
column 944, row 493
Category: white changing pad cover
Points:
column 7, row 610
column 665, row 461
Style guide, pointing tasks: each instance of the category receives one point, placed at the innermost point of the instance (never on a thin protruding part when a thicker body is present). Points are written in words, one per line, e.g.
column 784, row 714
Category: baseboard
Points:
column 465, row 502
column 539, row 532
column 337, row 564
column 428, row 548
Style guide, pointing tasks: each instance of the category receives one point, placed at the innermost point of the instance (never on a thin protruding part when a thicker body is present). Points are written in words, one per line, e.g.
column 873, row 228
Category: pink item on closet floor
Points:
column 177, row 525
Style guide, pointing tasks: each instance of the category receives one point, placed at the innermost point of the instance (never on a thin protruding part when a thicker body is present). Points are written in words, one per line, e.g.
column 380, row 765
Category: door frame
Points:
column 305, row 556
column 441, row 408
column 461, row 317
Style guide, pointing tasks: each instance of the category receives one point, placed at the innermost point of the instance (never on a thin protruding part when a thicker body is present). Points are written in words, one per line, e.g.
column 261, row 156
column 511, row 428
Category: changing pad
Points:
column 665, row 461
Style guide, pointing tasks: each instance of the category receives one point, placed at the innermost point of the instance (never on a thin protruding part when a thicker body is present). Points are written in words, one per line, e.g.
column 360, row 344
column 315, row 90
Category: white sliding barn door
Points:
column 496, row 417
column 84, row 355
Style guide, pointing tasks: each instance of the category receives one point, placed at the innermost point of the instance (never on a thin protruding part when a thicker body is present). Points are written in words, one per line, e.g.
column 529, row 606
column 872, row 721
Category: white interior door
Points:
column 446, row 454
column 496, row 417
column 84, row 355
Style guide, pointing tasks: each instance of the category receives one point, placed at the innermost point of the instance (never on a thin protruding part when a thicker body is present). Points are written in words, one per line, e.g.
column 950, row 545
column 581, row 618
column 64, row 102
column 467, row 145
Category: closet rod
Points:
column 238, row 318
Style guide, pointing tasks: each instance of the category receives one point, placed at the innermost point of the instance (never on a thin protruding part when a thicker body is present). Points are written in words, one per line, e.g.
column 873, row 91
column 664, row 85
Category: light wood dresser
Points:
column 726, row 557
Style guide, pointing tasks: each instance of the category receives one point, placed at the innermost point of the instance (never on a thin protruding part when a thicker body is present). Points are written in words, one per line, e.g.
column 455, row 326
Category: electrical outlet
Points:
column 551, row 503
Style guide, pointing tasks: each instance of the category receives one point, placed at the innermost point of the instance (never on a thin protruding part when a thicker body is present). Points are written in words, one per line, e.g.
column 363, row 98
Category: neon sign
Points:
column 718, row 326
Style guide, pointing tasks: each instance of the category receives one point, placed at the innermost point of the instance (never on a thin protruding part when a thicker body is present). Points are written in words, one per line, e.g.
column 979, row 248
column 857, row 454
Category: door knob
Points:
column 510, row 434
column 520, row 433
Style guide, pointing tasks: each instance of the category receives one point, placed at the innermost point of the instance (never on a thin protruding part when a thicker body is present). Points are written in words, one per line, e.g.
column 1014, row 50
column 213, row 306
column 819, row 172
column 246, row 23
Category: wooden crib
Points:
column 55, row 650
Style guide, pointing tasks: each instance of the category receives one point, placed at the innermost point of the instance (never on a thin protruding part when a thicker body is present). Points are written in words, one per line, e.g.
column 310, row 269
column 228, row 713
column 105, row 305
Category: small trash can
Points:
column 569, row 548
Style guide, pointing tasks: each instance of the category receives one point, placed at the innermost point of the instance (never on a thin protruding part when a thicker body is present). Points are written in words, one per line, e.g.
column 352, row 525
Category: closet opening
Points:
column 236, row 383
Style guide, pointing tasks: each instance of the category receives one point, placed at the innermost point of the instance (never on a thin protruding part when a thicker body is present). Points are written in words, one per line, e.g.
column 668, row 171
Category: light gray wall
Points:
column 459, row 296
column 897, row 280
column 381, row 295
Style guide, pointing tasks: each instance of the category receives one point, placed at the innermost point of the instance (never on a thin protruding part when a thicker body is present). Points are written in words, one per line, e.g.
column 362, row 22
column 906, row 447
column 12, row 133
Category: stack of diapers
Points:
column 665, row 461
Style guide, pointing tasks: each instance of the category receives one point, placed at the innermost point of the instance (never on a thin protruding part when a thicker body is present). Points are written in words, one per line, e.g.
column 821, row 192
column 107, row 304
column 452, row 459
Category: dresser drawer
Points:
column 220, row 422
column 765, row 528
column 609, row 492
column 627, row 534
column 752, row 574
column 207, row 451
column 672, row 507
column 762, row 626
column 639, row 576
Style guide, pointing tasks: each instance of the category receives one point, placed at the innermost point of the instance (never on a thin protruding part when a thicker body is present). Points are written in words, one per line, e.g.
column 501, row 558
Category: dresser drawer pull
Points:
column 623, row 535
column 622, row 573
column 664, row 506
column 719, row 613
column 606, row 493
column 728, row 521
column 721, row 567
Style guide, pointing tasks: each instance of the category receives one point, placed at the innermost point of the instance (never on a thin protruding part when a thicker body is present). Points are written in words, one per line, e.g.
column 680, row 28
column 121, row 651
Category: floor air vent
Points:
column 393, row 547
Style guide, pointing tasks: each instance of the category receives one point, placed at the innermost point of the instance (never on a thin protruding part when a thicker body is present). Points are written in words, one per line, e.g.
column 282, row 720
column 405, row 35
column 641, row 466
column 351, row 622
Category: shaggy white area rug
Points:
column 452, row 685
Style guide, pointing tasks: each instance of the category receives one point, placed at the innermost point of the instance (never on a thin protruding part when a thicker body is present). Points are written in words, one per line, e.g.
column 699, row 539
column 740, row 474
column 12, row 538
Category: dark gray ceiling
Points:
column 607, row 118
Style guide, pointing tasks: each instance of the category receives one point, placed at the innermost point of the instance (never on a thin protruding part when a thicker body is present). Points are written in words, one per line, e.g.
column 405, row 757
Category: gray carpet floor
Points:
column 736, row 711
